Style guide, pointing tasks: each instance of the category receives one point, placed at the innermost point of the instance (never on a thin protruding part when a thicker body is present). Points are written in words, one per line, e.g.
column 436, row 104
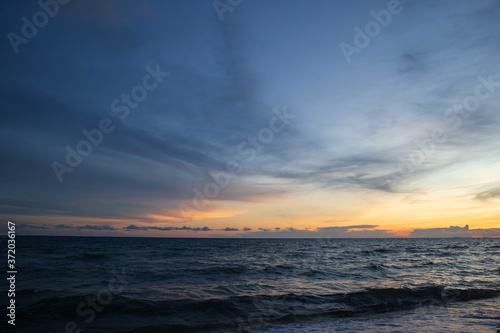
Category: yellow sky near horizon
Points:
column 397, row 213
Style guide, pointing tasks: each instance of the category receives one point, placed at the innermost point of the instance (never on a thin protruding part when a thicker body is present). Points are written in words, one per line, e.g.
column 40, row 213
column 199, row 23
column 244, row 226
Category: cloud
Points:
column 490, row 194
column 455, row 231
column 351, row 227
column 134, row 227
column 178, row 134
column 353, row 231
column 183, row 228
column 32, row 226
column 96, row 227
column 63, row 226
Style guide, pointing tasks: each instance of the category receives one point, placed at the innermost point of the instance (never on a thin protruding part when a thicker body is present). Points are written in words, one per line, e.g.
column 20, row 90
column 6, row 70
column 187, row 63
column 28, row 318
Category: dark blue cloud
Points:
column 96, row 227
column 183, row 228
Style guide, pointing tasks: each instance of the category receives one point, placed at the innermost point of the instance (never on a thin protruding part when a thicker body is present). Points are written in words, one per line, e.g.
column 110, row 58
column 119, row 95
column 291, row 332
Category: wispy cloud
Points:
column 490, row 194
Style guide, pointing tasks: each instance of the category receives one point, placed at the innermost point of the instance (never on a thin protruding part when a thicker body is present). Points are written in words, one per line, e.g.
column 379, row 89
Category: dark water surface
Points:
column 184, row 285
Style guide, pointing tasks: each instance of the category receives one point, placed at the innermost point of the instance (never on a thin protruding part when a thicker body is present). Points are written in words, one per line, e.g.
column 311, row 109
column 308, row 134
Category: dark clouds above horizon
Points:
column 354, row 122
column 352, row 231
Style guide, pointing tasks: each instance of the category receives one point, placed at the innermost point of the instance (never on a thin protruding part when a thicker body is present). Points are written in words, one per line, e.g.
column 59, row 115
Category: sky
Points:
column 260, row 118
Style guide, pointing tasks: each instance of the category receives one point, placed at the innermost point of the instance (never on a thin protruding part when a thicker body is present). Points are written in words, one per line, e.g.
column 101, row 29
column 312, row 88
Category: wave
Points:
column 456, row 247
column 89, row 256
column 231, row 313
column 237, row 269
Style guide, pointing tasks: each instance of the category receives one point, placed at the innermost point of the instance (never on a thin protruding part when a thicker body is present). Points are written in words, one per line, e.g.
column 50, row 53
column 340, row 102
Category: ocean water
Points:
column 66, row 284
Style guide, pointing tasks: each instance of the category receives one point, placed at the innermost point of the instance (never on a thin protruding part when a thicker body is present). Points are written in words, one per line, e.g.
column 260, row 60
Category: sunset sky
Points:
column 262, row 119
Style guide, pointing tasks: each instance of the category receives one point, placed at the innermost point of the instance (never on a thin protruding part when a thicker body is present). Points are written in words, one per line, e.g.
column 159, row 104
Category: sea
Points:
column 98, row 284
